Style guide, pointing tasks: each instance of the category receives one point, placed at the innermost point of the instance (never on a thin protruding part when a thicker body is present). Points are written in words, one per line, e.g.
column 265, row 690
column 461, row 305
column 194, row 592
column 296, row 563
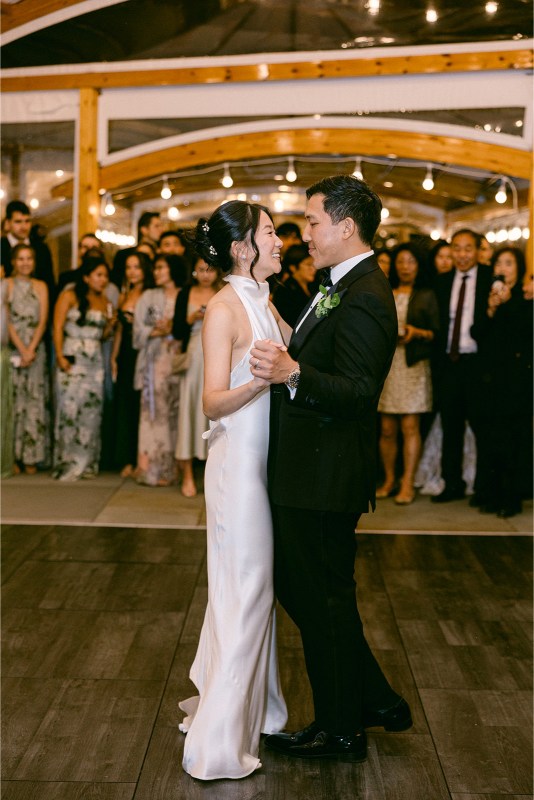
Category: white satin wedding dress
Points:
column 235, row 669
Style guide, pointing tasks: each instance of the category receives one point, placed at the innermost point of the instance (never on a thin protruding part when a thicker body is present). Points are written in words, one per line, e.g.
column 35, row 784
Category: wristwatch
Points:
column 292, row 379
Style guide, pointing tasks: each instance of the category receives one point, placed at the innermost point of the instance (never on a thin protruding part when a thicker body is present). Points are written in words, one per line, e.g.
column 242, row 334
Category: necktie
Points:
column 454, row 354
column 327, row 280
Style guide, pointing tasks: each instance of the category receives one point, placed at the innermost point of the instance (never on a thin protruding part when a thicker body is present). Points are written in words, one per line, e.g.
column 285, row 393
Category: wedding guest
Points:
column 86, row 243
column 462, row 297
column 384, row 261
column 147, row 249
column 441, row 258
column 152, row 336
column 27, row 300
column 290, row 234
column 123, row 357
column 6, row 386
column 187, row 328
column 171, row 242
column 149, row 230
column 80, row 322
column 407, row 391
column 292, row 297
column 18, row 226
column 504, row 337
column 485, row 251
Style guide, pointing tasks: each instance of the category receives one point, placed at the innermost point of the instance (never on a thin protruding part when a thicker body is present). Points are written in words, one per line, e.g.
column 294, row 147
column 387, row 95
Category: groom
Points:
column 322, row 465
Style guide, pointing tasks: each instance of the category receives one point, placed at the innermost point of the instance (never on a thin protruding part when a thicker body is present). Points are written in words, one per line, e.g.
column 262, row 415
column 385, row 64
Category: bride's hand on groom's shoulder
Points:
column 271, row 361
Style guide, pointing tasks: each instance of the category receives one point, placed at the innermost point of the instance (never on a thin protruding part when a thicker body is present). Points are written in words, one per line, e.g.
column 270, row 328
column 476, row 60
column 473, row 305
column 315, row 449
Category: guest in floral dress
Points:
column 80, row 322
column 123, row 357
column 407, row 391
column 6, row 386
column 152, row 336
column 28, row 313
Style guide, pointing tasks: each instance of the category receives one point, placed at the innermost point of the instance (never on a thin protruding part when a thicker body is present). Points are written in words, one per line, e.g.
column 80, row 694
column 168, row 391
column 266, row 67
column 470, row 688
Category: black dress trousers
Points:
column 314, row 582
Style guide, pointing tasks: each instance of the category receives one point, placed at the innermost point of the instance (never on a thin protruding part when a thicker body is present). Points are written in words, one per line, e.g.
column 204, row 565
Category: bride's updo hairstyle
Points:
column 235, row 221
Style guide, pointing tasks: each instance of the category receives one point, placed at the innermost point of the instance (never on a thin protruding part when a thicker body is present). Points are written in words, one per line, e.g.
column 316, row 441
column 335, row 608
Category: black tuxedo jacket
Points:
column 322, row 450
column 443, row 289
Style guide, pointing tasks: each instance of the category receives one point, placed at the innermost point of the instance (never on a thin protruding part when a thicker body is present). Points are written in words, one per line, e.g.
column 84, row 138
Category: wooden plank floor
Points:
column 100, row 627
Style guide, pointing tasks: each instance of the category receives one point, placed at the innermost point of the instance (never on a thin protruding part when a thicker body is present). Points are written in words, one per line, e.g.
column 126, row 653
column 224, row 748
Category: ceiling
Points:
column 138, row 29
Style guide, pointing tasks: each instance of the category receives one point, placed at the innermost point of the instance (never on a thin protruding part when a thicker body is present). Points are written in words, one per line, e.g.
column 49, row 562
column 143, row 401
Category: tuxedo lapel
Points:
column 309, row 324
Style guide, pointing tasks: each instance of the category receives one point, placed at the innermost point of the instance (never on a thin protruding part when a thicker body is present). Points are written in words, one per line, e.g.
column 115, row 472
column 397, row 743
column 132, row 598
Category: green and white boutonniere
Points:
column 326, row 303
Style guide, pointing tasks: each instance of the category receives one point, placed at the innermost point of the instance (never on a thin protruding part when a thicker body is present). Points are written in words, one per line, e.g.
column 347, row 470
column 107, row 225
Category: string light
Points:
column 1, row 193
column 519, row 123
column 491, row 8
column 435, row 235
column 291, row 175
column 501, row 195
column 34, row 203
column 491, row 237
column 373, row 6
column 59, row 173
column 525, row 233
column 227, row 180
column 173, row 213
column 428, row 182
column 431, row 15
column 109, row 208
column 279, row 205
column 358, row 169
column 166, row 192
column 384, row 213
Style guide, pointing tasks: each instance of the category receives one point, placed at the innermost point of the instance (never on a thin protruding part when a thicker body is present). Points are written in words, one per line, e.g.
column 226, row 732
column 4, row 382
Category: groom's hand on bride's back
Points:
column 271, row 361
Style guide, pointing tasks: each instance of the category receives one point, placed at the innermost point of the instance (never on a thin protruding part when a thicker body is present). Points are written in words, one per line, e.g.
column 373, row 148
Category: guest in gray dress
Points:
column 27, row 300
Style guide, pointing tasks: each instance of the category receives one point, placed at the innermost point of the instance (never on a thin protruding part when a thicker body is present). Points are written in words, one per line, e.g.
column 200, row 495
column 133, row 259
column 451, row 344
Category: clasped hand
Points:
column 270, row 361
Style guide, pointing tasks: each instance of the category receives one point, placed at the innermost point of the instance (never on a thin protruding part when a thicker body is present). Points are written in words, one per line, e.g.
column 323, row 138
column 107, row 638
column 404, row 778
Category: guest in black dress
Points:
column 127, row 399
column 294, row 295
column 504, row 338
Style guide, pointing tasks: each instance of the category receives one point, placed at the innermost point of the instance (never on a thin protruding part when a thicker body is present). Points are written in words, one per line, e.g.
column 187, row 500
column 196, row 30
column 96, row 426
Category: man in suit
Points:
column 322, row 468
column 88, row 241
column 18, row 226
column 462, row 297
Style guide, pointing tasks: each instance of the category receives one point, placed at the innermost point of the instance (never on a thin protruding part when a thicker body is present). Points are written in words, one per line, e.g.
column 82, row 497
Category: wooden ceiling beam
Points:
column 399, row 144
column 306, row 70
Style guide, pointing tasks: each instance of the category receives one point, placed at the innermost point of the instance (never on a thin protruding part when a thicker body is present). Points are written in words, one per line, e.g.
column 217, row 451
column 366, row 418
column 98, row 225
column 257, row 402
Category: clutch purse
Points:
column 180, row 363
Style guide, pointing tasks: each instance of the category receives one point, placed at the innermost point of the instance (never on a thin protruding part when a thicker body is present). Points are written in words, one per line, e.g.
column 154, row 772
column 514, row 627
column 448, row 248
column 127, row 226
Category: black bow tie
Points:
column 327, row 279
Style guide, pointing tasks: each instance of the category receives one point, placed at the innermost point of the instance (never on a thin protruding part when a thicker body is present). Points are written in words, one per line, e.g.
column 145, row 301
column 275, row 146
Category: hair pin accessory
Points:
column 213, row 251
column 205, row 227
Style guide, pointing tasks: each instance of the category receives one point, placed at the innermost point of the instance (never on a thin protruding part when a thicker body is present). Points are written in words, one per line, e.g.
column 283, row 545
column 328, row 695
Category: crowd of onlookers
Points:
column 105, row 369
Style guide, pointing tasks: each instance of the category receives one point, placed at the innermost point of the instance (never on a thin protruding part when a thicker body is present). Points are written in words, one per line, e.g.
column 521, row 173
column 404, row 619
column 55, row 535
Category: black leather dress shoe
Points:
column 396, row 718
column 283, row 741
column 449, row 493
column 352, row 748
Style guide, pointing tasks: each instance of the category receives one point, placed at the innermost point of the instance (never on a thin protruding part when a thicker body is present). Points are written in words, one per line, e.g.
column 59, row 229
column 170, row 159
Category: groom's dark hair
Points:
column 346, row 196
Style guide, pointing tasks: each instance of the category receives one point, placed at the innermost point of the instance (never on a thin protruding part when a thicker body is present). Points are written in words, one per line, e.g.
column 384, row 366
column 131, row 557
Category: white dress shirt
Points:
column 13, row 241
column 336, row 273
column 467, row 343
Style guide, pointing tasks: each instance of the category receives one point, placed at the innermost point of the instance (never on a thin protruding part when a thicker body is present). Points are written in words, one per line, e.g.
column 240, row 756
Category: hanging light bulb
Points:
column 431, row 15
column 491, row 236
column 373, row 6
column 435, row 235
column 166, row 192
column 279, row 205
column 34, row 203
column 109, row 208
column 491, row 7
column 501, row 196
column 384, row 213
column 173, row 213
column 291, row 175
column 358, row 169
column 227, row 180
column 428, row 182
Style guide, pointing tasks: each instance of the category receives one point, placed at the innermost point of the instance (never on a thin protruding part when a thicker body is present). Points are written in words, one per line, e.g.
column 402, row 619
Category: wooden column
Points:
column 88, row 175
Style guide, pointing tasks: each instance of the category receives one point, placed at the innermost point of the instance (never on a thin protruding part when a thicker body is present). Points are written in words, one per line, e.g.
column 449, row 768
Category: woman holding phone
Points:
column 187, row 329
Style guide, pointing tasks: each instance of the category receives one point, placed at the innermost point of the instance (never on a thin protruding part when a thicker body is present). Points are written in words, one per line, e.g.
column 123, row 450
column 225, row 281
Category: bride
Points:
column 235, row 669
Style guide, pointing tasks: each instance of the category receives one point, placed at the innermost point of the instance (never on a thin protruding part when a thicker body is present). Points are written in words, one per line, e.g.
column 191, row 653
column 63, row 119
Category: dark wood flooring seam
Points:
column 199, row 574
column 401, row 639
column 48, row 529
